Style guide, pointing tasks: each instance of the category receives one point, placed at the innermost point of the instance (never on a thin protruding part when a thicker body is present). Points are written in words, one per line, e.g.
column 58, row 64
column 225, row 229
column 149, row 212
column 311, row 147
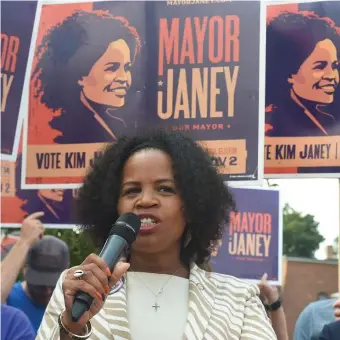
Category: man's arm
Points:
column 277, row 317
column 31, row 230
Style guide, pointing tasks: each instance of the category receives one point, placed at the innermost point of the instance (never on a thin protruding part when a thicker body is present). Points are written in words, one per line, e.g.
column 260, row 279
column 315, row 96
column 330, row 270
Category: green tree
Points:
column 80, row 244
column 301, row 236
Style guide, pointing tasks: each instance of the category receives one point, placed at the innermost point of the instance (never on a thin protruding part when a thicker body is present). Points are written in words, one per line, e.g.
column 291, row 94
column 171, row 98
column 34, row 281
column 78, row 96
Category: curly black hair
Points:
column 206, row 198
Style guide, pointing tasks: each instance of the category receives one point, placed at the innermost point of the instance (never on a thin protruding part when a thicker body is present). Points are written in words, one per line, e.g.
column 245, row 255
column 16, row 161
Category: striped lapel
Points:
column 202, row 293
column 115, row 313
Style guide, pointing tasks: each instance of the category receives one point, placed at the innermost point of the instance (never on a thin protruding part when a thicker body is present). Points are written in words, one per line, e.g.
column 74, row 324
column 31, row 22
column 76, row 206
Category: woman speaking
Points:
column 162, row 293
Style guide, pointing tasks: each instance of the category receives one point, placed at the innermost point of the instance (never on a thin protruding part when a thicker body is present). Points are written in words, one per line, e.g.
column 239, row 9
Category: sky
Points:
column 317, row 197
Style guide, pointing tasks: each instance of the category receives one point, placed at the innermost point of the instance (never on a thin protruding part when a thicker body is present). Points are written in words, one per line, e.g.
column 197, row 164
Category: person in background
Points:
column 15, row 325
column 45, row 261
column 314, row 317
column 323, row 296
column 13, row 261
column 331, row 331
column 274, row 308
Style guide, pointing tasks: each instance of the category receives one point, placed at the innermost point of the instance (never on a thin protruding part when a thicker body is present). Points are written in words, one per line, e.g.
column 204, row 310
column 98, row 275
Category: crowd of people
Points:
column 39, row 260
column 158, row 176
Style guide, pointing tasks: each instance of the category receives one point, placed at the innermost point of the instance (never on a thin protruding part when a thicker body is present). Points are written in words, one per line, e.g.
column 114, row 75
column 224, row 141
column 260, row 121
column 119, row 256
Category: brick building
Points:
column 305, row 281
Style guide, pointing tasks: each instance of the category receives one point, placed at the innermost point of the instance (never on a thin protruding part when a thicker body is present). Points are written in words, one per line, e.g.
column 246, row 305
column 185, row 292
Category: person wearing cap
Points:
column 14, row 249
column 45, row 262
column 15, row 324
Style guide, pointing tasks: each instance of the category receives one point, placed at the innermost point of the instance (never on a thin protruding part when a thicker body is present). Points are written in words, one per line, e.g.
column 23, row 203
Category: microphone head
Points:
column 127, row 226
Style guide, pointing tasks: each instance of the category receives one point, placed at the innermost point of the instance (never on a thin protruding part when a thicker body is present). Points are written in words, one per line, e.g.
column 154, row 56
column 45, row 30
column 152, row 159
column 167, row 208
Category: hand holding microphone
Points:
column 97, row 282
column 86, row 286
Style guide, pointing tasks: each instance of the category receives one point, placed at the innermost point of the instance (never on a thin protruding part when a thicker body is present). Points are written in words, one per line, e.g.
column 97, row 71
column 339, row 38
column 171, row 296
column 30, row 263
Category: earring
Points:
column 188, row 238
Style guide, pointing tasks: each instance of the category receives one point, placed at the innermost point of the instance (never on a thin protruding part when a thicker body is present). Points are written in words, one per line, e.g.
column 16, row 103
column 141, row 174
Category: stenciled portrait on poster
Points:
column 56, row 204
column 83, row 74
column 302, row 76
column 51, row 201
column 95, row 77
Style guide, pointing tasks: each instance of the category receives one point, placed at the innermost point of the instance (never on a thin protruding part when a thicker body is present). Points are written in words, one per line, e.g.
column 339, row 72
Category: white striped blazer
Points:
column 221, row 307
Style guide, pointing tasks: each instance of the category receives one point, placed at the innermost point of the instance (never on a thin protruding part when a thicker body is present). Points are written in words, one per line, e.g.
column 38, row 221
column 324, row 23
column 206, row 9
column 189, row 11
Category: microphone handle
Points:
column 113, row 249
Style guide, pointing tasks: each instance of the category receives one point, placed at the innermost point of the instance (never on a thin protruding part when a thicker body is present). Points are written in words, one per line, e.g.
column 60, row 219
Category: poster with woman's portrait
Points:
column 16, row 203
column 204, row 79
column 302, row 90
column 108, row 68
column 86, row 87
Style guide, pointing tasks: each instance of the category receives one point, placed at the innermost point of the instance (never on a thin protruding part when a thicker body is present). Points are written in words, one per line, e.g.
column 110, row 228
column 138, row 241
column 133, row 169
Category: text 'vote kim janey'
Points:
column 73, row 160
column 309, row 151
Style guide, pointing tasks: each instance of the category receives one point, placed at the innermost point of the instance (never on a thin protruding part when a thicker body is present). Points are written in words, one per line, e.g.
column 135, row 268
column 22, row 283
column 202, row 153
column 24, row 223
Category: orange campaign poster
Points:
column 86, row 87
column 16, row 203
column 302, row 112
column 104, row 69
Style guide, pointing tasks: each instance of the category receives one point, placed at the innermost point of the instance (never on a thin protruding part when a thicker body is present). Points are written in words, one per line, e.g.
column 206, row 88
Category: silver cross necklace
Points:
column 160, row 291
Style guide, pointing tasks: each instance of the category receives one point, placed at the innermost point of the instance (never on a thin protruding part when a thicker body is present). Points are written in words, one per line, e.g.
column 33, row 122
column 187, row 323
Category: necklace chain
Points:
column 160, row 291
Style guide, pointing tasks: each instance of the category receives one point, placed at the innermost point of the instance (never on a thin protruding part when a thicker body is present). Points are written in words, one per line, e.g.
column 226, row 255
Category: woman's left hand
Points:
column 270, row 293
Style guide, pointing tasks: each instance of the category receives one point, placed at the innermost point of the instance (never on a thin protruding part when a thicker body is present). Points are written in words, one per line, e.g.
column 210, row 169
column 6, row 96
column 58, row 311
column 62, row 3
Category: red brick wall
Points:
column 303, row 281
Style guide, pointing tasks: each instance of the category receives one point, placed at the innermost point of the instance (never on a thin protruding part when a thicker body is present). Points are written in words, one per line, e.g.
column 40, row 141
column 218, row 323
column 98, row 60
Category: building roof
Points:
column 308, row 260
